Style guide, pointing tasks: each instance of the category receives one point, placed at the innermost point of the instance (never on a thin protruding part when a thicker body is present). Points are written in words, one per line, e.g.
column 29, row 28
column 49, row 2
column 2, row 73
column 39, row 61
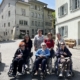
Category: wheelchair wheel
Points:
column 30, row 65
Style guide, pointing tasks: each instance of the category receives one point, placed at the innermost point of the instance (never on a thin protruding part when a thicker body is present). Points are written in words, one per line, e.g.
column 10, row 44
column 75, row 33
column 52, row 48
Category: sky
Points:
column 51, row 3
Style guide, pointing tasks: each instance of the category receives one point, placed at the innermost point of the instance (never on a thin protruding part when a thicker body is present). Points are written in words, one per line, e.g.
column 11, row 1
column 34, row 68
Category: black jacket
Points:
column 60, row 52
column 28, row 45
column 24, row 53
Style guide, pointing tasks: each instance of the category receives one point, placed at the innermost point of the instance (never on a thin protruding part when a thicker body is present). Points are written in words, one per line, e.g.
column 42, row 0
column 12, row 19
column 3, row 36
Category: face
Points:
column 22, row 47
column 49, row 36
column 44, row 47
column 27, row 38
column 62, row 46
column 58, row 36
column 40, row 33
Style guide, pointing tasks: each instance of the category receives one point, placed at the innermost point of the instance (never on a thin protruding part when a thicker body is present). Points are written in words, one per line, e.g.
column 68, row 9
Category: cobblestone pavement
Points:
column 8, row 49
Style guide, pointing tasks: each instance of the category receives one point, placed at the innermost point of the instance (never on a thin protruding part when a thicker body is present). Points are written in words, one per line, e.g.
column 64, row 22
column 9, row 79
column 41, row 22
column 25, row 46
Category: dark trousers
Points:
column 52, row 53
column 17, row 64
column 42, row 61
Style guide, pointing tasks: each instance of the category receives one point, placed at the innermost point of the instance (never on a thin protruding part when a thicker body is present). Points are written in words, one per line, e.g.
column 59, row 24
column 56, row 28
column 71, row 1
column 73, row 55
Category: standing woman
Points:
column 38, row 39
column 50, row 44
column 28, row 42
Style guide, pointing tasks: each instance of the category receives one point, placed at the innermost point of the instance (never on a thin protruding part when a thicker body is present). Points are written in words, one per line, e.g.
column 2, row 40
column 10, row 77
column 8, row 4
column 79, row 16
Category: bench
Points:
column 71, row 43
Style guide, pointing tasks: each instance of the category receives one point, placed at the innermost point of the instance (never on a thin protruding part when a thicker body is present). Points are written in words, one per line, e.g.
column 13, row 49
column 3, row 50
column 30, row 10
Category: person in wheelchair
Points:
column 42, row 56
column 64, row 57
column 19, row 58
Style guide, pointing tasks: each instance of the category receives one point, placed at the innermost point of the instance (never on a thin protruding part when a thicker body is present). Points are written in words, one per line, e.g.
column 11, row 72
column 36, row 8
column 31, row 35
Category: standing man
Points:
column 38, row 39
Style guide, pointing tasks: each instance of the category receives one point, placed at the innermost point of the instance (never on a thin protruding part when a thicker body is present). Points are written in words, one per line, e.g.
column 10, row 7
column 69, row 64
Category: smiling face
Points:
column 62, row 45
column 58, row 36
column 49, row 36
column 39, row 32
column 43, row 45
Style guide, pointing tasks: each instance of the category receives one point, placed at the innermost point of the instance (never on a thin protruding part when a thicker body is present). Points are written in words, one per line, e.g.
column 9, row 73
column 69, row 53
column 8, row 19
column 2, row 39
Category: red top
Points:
column 49, row 43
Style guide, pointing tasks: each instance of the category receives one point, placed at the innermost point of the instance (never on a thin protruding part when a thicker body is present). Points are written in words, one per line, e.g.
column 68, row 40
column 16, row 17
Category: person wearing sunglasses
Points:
column 19, row 58
column 61, row 54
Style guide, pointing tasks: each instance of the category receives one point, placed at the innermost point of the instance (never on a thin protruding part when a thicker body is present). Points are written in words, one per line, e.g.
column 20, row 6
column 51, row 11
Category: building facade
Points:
column 20, row 17
column 68, row 19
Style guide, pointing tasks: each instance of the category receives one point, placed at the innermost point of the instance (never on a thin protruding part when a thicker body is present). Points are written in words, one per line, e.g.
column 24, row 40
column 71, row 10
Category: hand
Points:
column 19, row 56
column 64, row 53
column 62, row 56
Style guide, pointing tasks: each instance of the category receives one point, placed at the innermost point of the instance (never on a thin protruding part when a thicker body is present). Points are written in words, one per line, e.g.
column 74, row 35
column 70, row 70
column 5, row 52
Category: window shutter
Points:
column 66, row 8
column 66, row 30
column 71, row 5
column 59, row 12
column 79, row 3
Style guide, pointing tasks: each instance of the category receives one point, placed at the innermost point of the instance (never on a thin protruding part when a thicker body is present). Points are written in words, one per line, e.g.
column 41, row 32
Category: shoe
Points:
column 13, row 75
column 68, row 74
column 61, row 74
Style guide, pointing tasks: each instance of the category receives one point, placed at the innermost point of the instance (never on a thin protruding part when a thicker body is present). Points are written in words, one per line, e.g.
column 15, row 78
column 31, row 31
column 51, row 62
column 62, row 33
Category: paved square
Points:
column 8, row 49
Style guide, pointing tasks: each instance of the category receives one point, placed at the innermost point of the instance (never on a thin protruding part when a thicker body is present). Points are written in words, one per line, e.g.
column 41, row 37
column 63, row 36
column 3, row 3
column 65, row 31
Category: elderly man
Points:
column 41, row 57
column 62, row 53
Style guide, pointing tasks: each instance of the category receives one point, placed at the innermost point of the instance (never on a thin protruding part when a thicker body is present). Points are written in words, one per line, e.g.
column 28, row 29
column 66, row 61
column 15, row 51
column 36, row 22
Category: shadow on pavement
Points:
column 48, row 77
column 7, row 42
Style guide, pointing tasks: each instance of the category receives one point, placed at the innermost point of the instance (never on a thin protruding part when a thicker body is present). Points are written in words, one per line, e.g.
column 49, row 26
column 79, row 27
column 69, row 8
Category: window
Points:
column 25, row 23
column 32, row 14
column 38, row 8
column 21, row 22
column 11, row 31
column 32, row 23
column 63, row 31
column 2, row 16
column 74, row 4
column 4, row 24
column 8, row 24
column 23, row 12
column 35, row 7
column 35, row 23
column 8, row 4
column 8, row 13
column 38, row 23
column 63, row 10
column 35, row 15
column 32, row 31
column 28, row 32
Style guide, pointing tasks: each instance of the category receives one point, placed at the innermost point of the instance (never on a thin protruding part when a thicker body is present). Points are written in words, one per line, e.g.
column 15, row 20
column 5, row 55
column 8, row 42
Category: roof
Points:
column 39, row 2
column 49, row 9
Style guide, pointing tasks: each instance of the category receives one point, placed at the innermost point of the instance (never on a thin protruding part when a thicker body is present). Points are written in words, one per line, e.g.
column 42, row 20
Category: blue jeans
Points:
column 42, row 61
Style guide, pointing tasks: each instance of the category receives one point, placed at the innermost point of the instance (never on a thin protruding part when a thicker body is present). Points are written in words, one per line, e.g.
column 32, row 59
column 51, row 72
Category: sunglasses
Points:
column 22, row 45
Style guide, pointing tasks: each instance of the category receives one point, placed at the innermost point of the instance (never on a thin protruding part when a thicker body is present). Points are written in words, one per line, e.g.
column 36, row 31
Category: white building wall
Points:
column 7, row 19
column 72, row 20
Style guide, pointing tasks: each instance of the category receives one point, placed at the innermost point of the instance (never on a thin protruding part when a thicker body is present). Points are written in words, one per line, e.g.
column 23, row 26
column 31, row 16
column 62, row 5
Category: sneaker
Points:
column 61, row 74
column 68, row 74
column 13, row 75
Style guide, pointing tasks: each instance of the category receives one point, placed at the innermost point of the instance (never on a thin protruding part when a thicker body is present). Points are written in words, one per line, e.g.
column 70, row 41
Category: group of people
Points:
column 44, row 49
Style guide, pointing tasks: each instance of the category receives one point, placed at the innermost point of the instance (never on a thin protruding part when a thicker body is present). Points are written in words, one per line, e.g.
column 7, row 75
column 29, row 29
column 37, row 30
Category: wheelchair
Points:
column 59, row 65
column 47, row 71
column 27, row 67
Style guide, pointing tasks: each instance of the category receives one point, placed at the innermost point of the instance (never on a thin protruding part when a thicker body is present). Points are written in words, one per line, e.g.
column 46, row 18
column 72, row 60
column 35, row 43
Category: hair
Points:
column 58, row 34
column 21, row 43
column 26, row 36
column 49, row 34
column 39, row 30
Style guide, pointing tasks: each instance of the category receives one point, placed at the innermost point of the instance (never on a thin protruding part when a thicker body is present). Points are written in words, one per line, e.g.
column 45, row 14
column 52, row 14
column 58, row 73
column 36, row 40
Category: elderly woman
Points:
column 41, row 57
column 38, row 39
column 50, row 44
column 62, row 53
